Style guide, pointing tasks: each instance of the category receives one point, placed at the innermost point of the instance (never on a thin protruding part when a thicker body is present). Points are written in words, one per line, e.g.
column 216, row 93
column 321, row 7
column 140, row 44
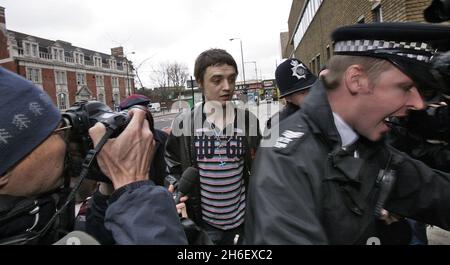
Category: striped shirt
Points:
column 220, row 161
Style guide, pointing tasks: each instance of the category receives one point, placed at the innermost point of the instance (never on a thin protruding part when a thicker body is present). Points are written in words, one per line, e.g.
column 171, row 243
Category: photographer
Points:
column 34, row 208
column 95, row 216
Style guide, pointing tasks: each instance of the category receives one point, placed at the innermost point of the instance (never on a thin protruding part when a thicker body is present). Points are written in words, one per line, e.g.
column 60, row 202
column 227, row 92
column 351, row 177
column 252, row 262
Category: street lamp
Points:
column 242, row 59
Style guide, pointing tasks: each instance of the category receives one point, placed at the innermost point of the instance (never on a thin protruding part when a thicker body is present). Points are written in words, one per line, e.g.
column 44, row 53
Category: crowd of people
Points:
column 330, row 176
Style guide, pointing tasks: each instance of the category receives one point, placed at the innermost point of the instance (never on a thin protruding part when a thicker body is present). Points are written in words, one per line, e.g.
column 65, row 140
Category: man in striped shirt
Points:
column 220, row 140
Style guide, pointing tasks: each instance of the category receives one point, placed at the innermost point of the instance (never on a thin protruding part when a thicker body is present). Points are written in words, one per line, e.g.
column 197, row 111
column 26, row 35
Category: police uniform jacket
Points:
column 306, row 190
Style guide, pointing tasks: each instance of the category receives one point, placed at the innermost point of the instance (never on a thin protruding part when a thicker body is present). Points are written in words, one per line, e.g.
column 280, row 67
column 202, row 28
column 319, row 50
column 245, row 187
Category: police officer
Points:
column 294, row 80
column 329, row 175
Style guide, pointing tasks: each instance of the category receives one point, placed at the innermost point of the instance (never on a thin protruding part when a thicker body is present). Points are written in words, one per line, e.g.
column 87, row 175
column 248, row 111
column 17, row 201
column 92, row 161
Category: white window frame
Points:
column 30, row 48
column 305, row 20
column 60, row 77
column 99, row 81
column 98, row 61
column 377, row 8
column 58, row 54
column 34, row 75
column 81, row 76
column 78, row 58
column 114, row 81
column 112, row 64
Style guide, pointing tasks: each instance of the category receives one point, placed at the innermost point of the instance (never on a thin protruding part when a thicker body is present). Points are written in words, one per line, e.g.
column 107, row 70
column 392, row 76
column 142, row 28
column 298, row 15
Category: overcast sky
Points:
column 160, row 31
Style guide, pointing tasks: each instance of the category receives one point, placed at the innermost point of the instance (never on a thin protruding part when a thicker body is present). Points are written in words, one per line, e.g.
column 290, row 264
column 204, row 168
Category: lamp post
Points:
column 242, row 59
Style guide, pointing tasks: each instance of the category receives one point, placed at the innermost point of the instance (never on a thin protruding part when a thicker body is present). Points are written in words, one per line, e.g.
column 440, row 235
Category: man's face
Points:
column 393, row 95
column 298, row 97
column 218, row 83
column 40, row 171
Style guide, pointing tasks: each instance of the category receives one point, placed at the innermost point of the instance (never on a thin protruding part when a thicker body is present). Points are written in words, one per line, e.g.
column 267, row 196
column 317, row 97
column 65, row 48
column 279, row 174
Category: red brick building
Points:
column 66, row 72
column 312, row 21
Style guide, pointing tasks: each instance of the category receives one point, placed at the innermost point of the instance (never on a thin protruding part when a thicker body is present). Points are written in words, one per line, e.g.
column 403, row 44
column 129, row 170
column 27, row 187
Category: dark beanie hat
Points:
column 292, row 76
column 134, row 99
column 27, row 118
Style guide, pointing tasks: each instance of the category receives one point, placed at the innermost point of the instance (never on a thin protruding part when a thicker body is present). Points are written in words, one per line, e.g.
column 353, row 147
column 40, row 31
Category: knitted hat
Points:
column 292, row 76
column 134, row 99
column 27, row 118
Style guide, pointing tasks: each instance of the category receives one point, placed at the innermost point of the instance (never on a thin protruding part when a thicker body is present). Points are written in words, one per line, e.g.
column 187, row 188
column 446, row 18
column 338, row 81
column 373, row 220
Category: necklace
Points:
column 222, row 142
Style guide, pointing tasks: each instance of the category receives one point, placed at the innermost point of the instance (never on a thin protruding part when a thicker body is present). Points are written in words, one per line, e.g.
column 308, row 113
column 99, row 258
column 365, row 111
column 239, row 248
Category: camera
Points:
column 83, row 115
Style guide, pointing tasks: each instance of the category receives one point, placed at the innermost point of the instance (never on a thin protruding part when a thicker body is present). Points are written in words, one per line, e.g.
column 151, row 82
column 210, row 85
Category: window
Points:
column 34, row 50
column 313, row 66
column 99, row 81
column 30, row 49
column 97, row 61
column 115, row 81
column 361, row 20
column 78, row 57
column 377, row 13
column 310, row 11
column 112, row 64
column 34, row 75
column 58, row 54
column 127, row 83
column 318, row 65
column 60, row 78
column 62, row 101
column 81, row 79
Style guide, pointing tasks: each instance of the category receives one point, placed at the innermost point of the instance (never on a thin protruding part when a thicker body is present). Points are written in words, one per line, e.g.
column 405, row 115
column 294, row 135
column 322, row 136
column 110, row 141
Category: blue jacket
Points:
column 142, row 213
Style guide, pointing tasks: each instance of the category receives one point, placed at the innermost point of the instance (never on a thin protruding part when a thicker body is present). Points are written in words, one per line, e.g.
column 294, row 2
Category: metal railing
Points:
column 48, row 57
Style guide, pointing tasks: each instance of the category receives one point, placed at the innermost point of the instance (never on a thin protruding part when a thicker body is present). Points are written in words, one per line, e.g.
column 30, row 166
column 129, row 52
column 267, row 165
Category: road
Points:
column 263, row 111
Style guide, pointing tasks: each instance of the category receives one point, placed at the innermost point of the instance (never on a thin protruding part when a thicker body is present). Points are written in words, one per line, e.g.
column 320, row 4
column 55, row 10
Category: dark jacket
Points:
column 307, row 190
column 287, row 111
column 180, row 153
column 141, row 213
column 22, row 218
column 98, row 204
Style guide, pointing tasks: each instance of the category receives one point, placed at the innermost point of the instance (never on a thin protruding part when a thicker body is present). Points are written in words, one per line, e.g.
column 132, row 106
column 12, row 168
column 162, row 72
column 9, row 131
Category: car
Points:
column 154, row 107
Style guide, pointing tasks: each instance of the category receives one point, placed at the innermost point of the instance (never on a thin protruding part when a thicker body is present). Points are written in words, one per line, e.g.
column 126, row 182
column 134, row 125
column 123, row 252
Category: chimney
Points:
column 4, row 53
column 117, row 52
column 2, row 15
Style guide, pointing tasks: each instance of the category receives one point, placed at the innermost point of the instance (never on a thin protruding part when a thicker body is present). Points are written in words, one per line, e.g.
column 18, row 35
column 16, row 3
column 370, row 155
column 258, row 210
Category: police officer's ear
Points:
column 356, row 80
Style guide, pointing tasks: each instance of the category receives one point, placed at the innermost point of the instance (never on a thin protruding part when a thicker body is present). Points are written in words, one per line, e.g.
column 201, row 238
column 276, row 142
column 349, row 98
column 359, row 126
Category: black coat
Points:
column 306, row 190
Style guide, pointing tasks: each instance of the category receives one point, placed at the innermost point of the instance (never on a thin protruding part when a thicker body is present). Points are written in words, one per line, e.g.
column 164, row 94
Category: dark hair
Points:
column 212, row 57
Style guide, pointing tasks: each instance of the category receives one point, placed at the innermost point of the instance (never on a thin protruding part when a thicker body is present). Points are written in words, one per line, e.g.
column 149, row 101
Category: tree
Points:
column 169, row 77
column 178, row 73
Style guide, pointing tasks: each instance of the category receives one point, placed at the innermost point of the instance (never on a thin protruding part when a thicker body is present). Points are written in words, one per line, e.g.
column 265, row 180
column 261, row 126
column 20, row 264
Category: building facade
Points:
column 311, row 23
column 66, row 72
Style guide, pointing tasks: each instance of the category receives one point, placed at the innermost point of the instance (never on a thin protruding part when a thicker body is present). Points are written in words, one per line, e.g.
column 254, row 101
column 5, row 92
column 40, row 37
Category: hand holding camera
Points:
column 127, row 158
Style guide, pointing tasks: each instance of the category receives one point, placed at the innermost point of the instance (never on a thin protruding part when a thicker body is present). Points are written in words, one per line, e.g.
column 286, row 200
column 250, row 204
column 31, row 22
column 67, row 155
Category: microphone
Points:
column 77, row 238
column 186, row 182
